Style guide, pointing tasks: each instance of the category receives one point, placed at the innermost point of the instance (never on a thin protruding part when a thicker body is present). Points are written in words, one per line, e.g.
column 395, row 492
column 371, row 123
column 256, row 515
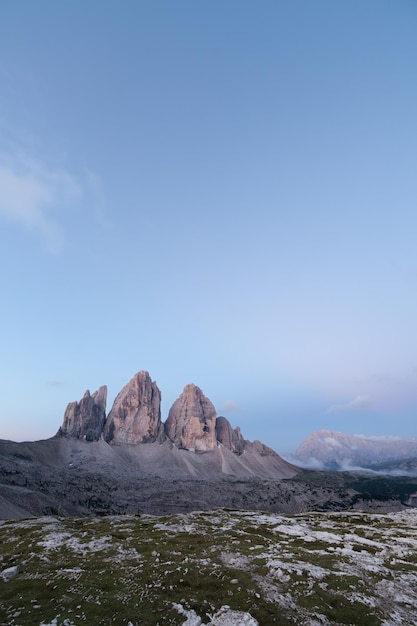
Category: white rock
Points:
column 192, row 618
column 9, row 573
column 227, row 617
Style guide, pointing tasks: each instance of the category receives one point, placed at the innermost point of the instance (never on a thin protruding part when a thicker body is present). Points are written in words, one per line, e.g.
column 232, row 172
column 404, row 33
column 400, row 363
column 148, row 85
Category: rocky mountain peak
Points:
column 135, row 418
column 85, row 419
column 191, row 422
column 136, row 413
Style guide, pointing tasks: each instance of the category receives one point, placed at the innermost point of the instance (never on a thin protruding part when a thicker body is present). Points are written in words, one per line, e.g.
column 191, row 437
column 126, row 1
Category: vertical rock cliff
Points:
column 86, row 419
column 229, row 437
column 136, row 413
column 191, row 422
column 135, row 418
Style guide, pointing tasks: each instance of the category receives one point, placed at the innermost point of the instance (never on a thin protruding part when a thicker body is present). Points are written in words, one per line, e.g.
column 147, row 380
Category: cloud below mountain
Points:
column 334, row 450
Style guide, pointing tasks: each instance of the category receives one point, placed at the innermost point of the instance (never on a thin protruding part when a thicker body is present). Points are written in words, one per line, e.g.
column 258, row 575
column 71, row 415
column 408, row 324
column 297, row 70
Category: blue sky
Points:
column 217, row 192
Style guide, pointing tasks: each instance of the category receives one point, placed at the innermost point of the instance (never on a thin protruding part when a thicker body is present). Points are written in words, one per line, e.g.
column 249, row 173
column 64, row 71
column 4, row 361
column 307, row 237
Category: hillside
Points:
column 65, row 476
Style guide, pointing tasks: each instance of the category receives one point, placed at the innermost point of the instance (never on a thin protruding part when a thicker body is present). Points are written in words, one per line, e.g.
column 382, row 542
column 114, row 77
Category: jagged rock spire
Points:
column 85, row 419
column 136, row 413
column 191, row 422
column 136, row 418
column 229, row 437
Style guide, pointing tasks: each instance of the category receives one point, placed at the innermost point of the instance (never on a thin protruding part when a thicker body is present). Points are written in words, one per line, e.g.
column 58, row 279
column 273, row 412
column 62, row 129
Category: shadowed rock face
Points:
column 136, row 413
column 191, row 422
column 86, row 419
column 229, row 437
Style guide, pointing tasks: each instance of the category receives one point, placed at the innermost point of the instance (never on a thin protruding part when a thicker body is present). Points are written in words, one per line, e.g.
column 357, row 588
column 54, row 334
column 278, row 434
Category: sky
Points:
column 220, row 193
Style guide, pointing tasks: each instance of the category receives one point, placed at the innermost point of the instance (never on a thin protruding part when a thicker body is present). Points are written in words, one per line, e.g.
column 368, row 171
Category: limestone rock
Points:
column 191, row 422
column 85, row 419
column 136, row 413
column 229, row 437
column 9, row 573
column 228, row 617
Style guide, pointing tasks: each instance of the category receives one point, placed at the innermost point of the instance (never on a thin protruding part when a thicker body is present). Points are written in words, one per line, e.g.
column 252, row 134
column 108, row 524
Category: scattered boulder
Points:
column 192, row 618
column 191, row 422
column 85, row 419
column 9, row 573
column 227, row 617
column 136, row 413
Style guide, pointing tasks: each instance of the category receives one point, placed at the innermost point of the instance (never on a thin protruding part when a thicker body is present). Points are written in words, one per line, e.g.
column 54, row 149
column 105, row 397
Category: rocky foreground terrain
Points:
column 224, row 568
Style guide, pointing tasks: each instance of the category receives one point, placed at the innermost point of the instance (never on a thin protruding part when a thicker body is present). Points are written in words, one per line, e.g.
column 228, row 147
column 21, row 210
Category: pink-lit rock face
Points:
column 85, row 419
column 191, row 422
column 136, row 413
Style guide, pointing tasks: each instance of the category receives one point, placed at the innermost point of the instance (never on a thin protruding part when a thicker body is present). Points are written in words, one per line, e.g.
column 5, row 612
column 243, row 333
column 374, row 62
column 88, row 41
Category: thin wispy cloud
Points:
column 33, row 195
column 358, row 403
column 55, row 383
column 383, row 438
column 229, row 405
column 331, row 441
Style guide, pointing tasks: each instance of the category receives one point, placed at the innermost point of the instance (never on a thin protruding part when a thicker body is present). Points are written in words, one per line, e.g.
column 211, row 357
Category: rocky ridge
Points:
column 135, row 418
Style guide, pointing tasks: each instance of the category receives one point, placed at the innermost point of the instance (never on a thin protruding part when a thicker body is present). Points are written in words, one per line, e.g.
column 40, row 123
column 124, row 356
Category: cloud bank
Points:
column 360, row 402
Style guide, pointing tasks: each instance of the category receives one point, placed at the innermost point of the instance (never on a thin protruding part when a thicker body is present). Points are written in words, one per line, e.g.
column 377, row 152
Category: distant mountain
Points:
column 335, row 450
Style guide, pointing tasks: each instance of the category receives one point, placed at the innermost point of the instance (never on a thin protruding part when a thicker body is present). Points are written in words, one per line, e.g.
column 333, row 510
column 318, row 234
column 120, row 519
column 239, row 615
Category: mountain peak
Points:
column 191, row 422
column 86, row 419
column 135, row 418
column 136, row 413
